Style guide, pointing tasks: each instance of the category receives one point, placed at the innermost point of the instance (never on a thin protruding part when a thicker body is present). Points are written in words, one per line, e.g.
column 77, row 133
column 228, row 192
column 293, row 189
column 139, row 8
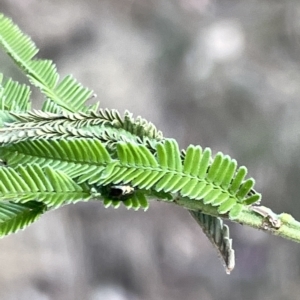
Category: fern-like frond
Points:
column 38, row 118
column 74, row 157
column 218, row 234
column 138, row 127
column 68, row 94
column 12, row 135
column 214, row 181
column 17, row 216
column 64, row 154
column 195, row 177
column 53, row 188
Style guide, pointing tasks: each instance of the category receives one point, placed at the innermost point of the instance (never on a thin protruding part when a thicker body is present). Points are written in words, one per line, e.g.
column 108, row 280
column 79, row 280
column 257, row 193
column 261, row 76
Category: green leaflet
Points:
column 14, row 96
column 68, row 94
column 52, row 187
column 17, row 216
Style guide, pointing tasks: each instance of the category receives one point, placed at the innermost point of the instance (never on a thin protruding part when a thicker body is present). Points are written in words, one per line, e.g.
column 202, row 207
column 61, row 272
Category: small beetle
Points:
column 118, row 192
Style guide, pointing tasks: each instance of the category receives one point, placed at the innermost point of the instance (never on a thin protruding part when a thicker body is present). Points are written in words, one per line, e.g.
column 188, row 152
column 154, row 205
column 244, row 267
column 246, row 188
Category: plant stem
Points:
column 287, row 227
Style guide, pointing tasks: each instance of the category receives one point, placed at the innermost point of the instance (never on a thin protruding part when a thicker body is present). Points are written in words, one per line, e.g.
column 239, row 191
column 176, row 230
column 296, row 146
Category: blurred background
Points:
column 219, row 73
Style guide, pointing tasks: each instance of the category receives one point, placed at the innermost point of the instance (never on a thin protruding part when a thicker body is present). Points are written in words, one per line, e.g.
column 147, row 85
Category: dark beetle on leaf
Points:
column 117, row 192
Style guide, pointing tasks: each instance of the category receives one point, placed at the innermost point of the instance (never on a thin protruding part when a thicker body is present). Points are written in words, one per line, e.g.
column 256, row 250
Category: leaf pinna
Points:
column 51, row 187
column 68, row 94
column 16, row 216
column 194, row 178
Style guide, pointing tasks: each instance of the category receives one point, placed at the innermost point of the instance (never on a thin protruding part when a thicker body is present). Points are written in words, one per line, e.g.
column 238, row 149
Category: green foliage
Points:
column 52, row 187
column 69, row 152
column 14, row 96
column 68, row 94
column 194, row 178
column 16, row 216
column 89, row 161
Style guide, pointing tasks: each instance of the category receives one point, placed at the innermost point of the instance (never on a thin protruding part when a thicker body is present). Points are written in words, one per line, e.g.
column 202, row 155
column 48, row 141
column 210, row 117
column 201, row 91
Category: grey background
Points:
column 219, row 73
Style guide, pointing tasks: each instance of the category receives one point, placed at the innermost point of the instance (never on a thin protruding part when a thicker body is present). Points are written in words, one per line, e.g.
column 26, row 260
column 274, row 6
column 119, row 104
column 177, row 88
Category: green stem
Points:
column 287, row 227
